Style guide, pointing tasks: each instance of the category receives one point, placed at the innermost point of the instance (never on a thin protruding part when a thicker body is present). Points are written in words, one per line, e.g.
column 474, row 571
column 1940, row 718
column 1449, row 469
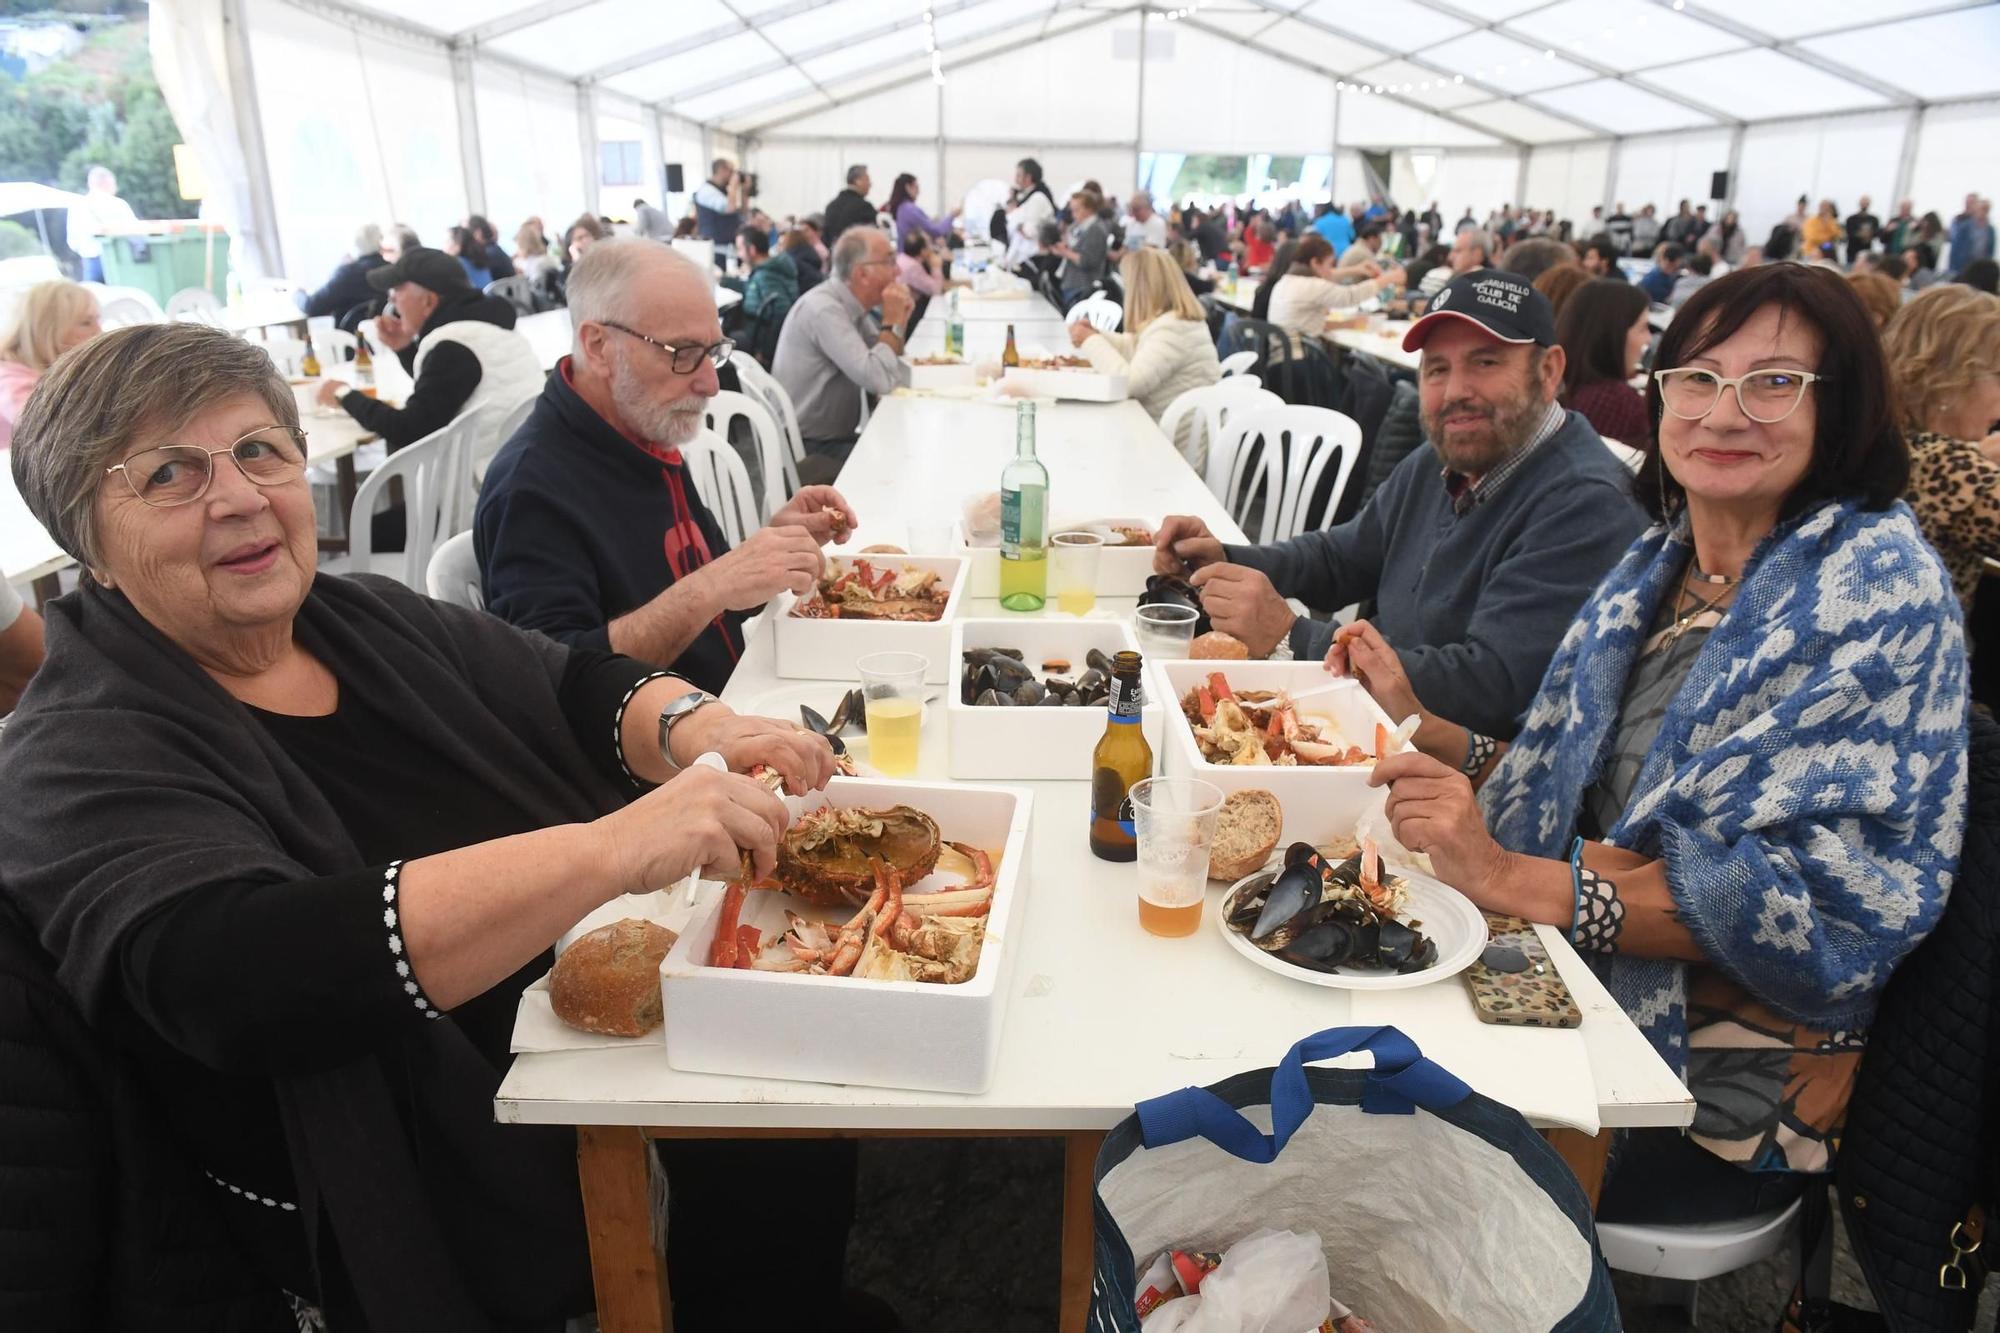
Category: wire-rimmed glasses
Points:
column 1765, row 396
column 177, row 474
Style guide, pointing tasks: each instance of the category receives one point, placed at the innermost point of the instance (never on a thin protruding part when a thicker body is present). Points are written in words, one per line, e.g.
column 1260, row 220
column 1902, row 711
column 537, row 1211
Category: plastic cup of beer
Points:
column 892, row 690
column 1164, row 632
column 1073, row 560
column 1175, row 822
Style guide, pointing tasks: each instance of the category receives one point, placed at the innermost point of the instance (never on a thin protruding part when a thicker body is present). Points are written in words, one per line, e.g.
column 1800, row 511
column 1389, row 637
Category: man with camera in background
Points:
column 718, row 205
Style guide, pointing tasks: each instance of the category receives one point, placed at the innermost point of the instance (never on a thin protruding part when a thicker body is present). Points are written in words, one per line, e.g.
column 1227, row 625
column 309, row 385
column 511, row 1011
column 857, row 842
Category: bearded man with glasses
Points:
column 589, row 528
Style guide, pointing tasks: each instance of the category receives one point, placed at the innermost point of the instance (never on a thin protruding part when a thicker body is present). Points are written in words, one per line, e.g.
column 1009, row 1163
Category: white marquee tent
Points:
column 321, row 114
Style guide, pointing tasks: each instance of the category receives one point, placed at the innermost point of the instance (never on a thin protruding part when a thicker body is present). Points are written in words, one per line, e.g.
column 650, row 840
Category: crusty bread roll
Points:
column 609, row 980
column 883, row 548
column 1217, row 646
column 1246, row 831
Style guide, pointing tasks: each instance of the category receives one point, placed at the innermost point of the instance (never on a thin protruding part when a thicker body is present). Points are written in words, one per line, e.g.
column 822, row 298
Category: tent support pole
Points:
column 1521, row 180
column 1139, row 105
column 250, row 124
column 468, row 130
column 1333, row 167
column 1611, row 176
column 586, row 127
column 653, row 170
column 1906, row 163
column 1735, row 169
column 939, row 178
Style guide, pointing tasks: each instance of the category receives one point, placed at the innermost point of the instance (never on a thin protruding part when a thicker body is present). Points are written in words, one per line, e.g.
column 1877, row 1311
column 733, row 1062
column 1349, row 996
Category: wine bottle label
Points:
column 1010, row 522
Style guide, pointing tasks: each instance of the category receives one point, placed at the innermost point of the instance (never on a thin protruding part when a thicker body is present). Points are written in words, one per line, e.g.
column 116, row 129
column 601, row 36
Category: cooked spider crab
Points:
column 825, row 856
column 929, row 937
column 1263, row 727
column 863, row 592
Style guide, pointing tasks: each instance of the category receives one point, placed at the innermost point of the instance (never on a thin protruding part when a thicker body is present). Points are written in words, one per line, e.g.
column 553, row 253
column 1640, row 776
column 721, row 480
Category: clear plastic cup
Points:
column 1073, row 558
column 1164, row 632
column 1175, row 821
column 892, row 689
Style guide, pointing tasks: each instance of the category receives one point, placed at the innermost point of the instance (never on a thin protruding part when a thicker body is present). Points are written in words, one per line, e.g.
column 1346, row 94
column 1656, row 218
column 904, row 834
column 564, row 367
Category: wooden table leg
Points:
column 1079, row 1256
column 1585, row 1154
column 627, row 1263
column 44, row 588
column 344, row 485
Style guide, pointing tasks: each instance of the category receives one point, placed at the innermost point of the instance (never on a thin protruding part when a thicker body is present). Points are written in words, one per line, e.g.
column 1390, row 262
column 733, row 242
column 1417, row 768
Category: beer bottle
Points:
column 364, row 368
column 1121, row 759
column 1012, row 356
column 309, row 364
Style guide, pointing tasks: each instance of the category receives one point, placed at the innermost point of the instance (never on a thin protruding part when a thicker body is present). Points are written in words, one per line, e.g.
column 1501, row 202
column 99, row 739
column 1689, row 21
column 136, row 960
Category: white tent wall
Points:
column 1570, row 178
column 1663, row 169
column 359, row 126
column 1249, row 102
column 1481, row 181
column 530, row 150
column 1955, row 157
column 1841, row 159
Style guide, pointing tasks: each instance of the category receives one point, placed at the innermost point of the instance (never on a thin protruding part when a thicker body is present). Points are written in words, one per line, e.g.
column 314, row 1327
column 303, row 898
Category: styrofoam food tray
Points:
column 1122, row 571
column 1084, row 386
column 1319, row 804
column 959, row 376
column 828, row 649
column 885, row 1034
column 1034, row 743
column 1448, row 917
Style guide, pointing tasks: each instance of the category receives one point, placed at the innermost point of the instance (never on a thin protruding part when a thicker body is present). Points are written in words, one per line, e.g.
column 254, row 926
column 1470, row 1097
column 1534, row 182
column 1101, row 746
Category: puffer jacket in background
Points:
column 1922, row 1142
column 1167, row 358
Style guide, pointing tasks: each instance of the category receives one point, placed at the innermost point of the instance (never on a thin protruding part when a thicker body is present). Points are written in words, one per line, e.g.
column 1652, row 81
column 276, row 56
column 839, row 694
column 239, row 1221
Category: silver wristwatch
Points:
column 676, row 709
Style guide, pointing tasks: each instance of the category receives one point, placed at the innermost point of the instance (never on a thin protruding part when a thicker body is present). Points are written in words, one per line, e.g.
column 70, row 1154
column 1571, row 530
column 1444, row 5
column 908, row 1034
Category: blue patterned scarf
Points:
column 1807, row 788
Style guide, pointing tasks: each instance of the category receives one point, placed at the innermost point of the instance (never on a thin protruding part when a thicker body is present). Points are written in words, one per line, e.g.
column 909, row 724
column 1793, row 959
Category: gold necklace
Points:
column 1685, row 620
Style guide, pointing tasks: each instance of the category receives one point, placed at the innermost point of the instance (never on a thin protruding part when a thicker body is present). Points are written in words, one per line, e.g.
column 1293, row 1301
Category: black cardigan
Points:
column 1922, row 1143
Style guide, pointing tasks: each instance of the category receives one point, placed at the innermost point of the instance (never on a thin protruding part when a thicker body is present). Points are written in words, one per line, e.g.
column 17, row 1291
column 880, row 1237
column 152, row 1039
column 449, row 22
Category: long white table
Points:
column 1384, row 344
column 1103, row 1015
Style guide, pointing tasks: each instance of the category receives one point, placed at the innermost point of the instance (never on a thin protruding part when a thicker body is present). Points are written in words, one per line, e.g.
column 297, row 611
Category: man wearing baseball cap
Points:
column 1481, row 545
column 458, row 345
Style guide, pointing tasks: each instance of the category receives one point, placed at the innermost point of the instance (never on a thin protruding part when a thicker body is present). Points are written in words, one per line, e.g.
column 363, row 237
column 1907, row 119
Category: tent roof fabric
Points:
column 1571, row 69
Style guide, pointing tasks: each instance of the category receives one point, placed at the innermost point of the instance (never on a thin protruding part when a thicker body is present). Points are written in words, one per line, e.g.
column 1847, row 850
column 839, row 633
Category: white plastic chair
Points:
column 1209, row 409
column 723, row 484
column 434, row 475
column 288, row 354
column 149, row 309
column 886, row 223
column 336, row 347
column 722, row 413
column 194, row 304
column 1299, row 444
column 1691, row 1253
column 120, row 312
column 761, row 384
column 498, row 428
column 453, row 574
column 516, row 291
column 1238, row 363
column 1102, row 312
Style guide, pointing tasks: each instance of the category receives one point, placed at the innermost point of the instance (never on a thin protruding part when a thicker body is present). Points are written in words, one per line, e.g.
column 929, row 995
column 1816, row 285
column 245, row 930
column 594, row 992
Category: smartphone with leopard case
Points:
column 1514, row 983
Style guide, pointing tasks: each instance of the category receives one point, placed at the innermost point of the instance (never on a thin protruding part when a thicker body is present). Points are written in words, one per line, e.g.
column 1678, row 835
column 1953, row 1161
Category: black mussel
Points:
column 813, row 721
column 1170, row 590
column 1050, row 700
column 993, row 699
column 1321, row 947
column 1078, row 699
column 1303, row 851
column 1093, row 680
column 1294, row 893
column 1059, row 685
column 853, row 706
column 1246, row 907
column 1097, row 661
column 1399, row 945
column 1029, row 691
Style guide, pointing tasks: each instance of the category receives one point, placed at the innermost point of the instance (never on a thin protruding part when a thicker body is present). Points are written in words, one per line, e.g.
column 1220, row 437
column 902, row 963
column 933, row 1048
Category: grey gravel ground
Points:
column 961, row 1234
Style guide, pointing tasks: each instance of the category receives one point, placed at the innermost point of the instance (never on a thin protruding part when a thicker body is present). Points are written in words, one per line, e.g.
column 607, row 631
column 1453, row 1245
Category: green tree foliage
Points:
column 17, row 241
column 100, row 106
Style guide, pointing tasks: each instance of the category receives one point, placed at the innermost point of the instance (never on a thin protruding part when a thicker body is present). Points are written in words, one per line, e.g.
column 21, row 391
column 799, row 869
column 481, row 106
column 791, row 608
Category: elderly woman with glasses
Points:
column 1741, row 788
column 297, row 843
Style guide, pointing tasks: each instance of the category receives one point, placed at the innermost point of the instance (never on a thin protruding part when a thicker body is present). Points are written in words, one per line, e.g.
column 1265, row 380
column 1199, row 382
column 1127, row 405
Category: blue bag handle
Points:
column 1401, row 1081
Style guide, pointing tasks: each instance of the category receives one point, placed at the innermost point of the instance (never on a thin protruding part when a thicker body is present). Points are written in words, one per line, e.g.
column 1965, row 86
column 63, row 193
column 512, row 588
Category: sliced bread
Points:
column 1246, row 832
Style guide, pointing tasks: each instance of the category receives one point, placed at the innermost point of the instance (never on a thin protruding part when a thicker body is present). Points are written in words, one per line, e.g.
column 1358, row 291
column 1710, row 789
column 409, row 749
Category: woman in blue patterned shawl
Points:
column 1741, row 787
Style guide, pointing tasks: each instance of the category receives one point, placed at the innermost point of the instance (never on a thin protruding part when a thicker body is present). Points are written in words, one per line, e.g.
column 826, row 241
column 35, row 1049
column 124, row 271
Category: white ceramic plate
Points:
column 1448, row 917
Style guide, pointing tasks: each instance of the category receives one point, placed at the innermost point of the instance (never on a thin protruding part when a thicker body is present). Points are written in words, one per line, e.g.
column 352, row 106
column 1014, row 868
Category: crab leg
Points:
column 722, row 953
column 982, row 864
column 854, row 935
column 1385, row 744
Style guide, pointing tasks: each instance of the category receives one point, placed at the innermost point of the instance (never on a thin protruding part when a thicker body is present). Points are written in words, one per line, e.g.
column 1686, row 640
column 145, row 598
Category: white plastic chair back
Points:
column 497, row 428
column 1299, row 444
column 434, row 475
column 120, row 312
column 453, row 575
column 724, row 411
column 761, row 384
column 886, row 223
column 287, row 354
column 1207, row 410
column 1102, row 312
column 196, row 304
column 1238, row 363
column 516, row 291
column 336, row 347
column 723, row 484
column 138, row 296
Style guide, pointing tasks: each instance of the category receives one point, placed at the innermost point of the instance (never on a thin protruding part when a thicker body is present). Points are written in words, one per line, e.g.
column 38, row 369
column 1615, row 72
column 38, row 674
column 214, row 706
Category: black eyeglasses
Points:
column 685, row 359
column 178, row 474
